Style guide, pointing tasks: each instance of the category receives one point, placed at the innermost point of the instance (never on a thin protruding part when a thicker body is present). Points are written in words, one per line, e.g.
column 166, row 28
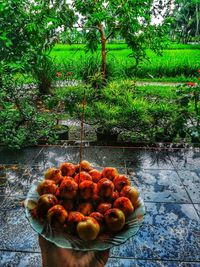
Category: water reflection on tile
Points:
column 16, row 232
column 20, row 259
column 105, row 156
column 22, row 156
column 54, row 155
column 170, row 231
column 191, row 181
column 147, row 159
column 185, row 159
column 159, row 186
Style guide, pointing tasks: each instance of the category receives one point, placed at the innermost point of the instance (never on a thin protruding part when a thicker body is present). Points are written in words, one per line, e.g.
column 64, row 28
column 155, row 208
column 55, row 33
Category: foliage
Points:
column 21, row 122
column 130, row 19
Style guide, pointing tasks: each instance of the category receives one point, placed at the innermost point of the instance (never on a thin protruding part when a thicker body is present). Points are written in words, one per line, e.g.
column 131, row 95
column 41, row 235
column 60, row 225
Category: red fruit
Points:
column 87, row 189
column 131, row 193
column 96, row 175
column 47, row 187
column 99, row 218
column 45, row 202
column 105, row 188
column 73, row 219
column 85, row 208
column 68, row 188
column 124, row 204
column 82, row 176
column 103, row 207
column 53, row 174
column 68, row 204
column 109, row 172
column 57, row 216
column 120, row 181
column 85, row 165
column 115, row 219
column 67, row 169
column 114, row 196
column 88, row 229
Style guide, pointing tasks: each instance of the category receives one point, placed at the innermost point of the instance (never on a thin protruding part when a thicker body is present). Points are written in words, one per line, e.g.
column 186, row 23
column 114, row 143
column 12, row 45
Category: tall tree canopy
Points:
column 129, row 18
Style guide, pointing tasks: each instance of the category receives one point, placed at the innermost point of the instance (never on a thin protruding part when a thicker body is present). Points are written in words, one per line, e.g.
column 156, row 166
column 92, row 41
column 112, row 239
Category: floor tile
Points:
column 191, row 181
column 23, row 156
column 54, row 155
column 170, row 232
column 16, row 232
column 185, row 159
column 160, row 186
column 20, row 259
column 147, row 159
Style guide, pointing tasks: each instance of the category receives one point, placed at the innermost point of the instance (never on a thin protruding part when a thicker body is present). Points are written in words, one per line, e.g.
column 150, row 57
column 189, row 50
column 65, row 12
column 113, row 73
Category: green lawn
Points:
column 177, row 60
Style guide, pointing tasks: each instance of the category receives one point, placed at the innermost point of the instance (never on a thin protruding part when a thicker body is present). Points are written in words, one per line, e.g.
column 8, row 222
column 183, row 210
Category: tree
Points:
column 186, row 17
column 29, row 30
column 128, row 18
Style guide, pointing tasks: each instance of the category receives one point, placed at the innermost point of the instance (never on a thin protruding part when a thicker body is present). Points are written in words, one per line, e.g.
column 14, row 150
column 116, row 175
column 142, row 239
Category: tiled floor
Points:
column 169, row 182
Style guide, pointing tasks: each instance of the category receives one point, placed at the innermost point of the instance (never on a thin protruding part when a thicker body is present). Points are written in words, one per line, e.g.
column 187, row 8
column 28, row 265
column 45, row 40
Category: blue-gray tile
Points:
column 54, row 155
column 197, row 208
column 105, row 156
column 147, row 159
column 191, row 181
column 16, row 232
column 160, row 186
column 23, row 156
column 19, row 259
column 185, row 159
column 170, row 231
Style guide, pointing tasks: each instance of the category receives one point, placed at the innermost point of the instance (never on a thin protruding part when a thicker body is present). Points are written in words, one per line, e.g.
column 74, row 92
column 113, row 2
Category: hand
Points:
column 53, row 256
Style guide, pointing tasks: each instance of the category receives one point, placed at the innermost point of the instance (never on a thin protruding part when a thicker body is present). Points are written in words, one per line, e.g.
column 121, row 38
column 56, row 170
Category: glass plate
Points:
column 64, row 240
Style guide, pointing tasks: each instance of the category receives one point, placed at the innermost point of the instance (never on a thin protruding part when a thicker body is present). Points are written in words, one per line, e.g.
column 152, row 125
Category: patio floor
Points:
column 169, row 182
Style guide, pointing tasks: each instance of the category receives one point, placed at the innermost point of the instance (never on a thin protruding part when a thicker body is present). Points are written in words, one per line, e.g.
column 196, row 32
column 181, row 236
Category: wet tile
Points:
column 160, row 186
column 119, row 262
column 10, row 175
column 24, row 156
column 191, row 181
column 104, row 156
column 170, row 232
column 147, row 159
column 16, row 232
column 54, row 155
column 185, row 159
column 19, row 259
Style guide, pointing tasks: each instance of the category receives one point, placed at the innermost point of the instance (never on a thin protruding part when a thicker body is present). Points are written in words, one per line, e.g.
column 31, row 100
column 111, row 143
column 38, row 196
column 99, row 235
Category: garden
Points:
column 130, row 83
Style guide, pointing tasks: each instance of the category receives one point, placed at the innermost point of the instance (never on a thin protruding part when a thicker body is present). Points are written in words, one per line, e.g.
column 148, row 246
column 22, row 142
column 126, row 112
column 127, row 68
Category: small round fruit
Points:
column 67, row 169
column 120, row 181
column 87, row 189
column 85, row 165
column 47, row 187
column 68, row 204
column 57, row 216
column 53, row 174
column 109, row 172
column 85, row 208
column 45, row 202
column 99, row 218
column 96, row 175
column 131, row 193
column 103, row 207
column 68, row 188
column 73, row 219
column 88, row 229
column 82, row 176
column 105, row 188
column 124, row 204
column 115, row 219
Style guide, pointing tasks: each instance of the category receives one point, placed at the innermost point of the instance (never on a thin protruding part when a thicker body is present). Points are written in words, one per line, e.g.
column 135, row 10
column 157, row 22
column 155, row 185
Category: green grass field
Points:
column 177, row 60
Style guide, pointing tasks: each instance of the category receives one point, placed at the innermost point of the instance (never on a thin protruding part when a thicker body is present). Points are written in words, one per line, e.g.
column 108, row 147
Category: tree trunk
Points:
column 103, row 52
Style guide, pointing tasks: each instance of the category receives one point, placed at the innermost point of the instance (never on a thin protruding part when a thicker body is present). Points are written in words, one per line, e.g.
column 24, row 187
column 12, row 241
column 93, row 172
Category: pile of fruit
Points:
column 85, row 202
